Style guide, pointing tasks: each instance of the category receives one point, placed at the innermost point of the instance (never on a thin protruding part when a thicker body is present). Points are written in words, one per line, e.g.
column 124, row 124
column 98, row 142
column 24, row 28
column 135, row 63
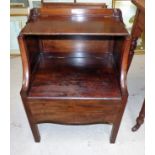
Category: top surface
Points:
column 75, row 25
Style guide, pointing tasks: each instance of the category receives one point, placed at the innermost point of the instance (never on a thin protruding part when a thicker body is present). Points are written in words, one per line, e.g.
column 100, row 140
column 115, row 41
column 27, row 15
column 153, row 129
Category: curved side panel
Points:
column 25, row 63
column 124, row 65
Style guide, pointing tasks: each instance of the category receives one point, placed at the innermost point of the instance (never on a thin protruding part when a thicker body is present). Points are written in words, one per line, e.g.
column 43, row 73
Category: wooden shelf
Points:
column 60, row 22
column 104, row 27
column 74, row 78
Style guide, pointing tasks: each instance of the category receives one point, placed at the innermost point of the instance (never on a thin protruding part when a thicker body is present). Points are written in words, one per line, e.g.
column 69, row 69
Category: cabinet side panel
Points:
column 117, row 53
column 32, row 44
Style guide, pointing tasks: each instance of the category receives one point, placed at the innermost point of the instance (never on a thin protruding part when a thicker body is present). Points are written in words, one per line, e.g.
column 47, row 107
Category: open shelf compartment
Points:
column 74, row 78
column 74, row 67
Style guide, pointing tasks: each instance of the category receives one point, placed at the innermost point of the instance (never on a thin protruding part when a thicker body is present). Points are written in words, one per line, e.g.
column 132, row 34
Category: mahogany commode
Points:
column 75, row 63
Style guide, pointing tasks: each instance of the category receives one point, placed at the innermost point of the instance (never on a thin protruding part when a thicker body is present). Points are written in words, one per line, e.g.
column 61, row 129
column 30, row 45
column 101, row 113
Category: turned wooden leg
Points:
column 140, row 118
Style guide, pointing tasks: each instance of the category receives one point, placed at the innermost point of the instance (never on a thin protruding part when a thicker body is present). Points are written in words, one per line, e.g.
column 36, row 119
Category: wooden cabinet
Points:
column 74, row 66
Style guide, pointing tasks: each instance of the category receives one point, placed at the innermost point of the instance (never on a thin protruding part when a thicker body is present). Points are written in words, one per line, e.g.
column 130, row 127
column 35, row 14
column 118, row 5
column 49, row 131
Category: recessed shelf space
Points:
column 74, row 77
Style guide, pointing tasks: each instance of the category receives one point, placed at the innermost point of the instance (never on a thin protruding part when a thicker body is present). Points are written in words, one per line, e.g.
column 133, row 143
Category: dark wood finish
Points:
column 82, row 22
column 75, row 77
column 140, row 118
column 138, row 26
column 137, row 30
column 74, row 72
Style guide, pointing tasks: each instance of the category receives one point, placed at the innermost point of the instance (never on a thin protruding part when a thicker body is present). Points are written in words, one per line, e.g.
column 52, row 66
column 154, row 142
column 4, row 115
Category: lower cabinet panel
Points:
column 74, row 111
